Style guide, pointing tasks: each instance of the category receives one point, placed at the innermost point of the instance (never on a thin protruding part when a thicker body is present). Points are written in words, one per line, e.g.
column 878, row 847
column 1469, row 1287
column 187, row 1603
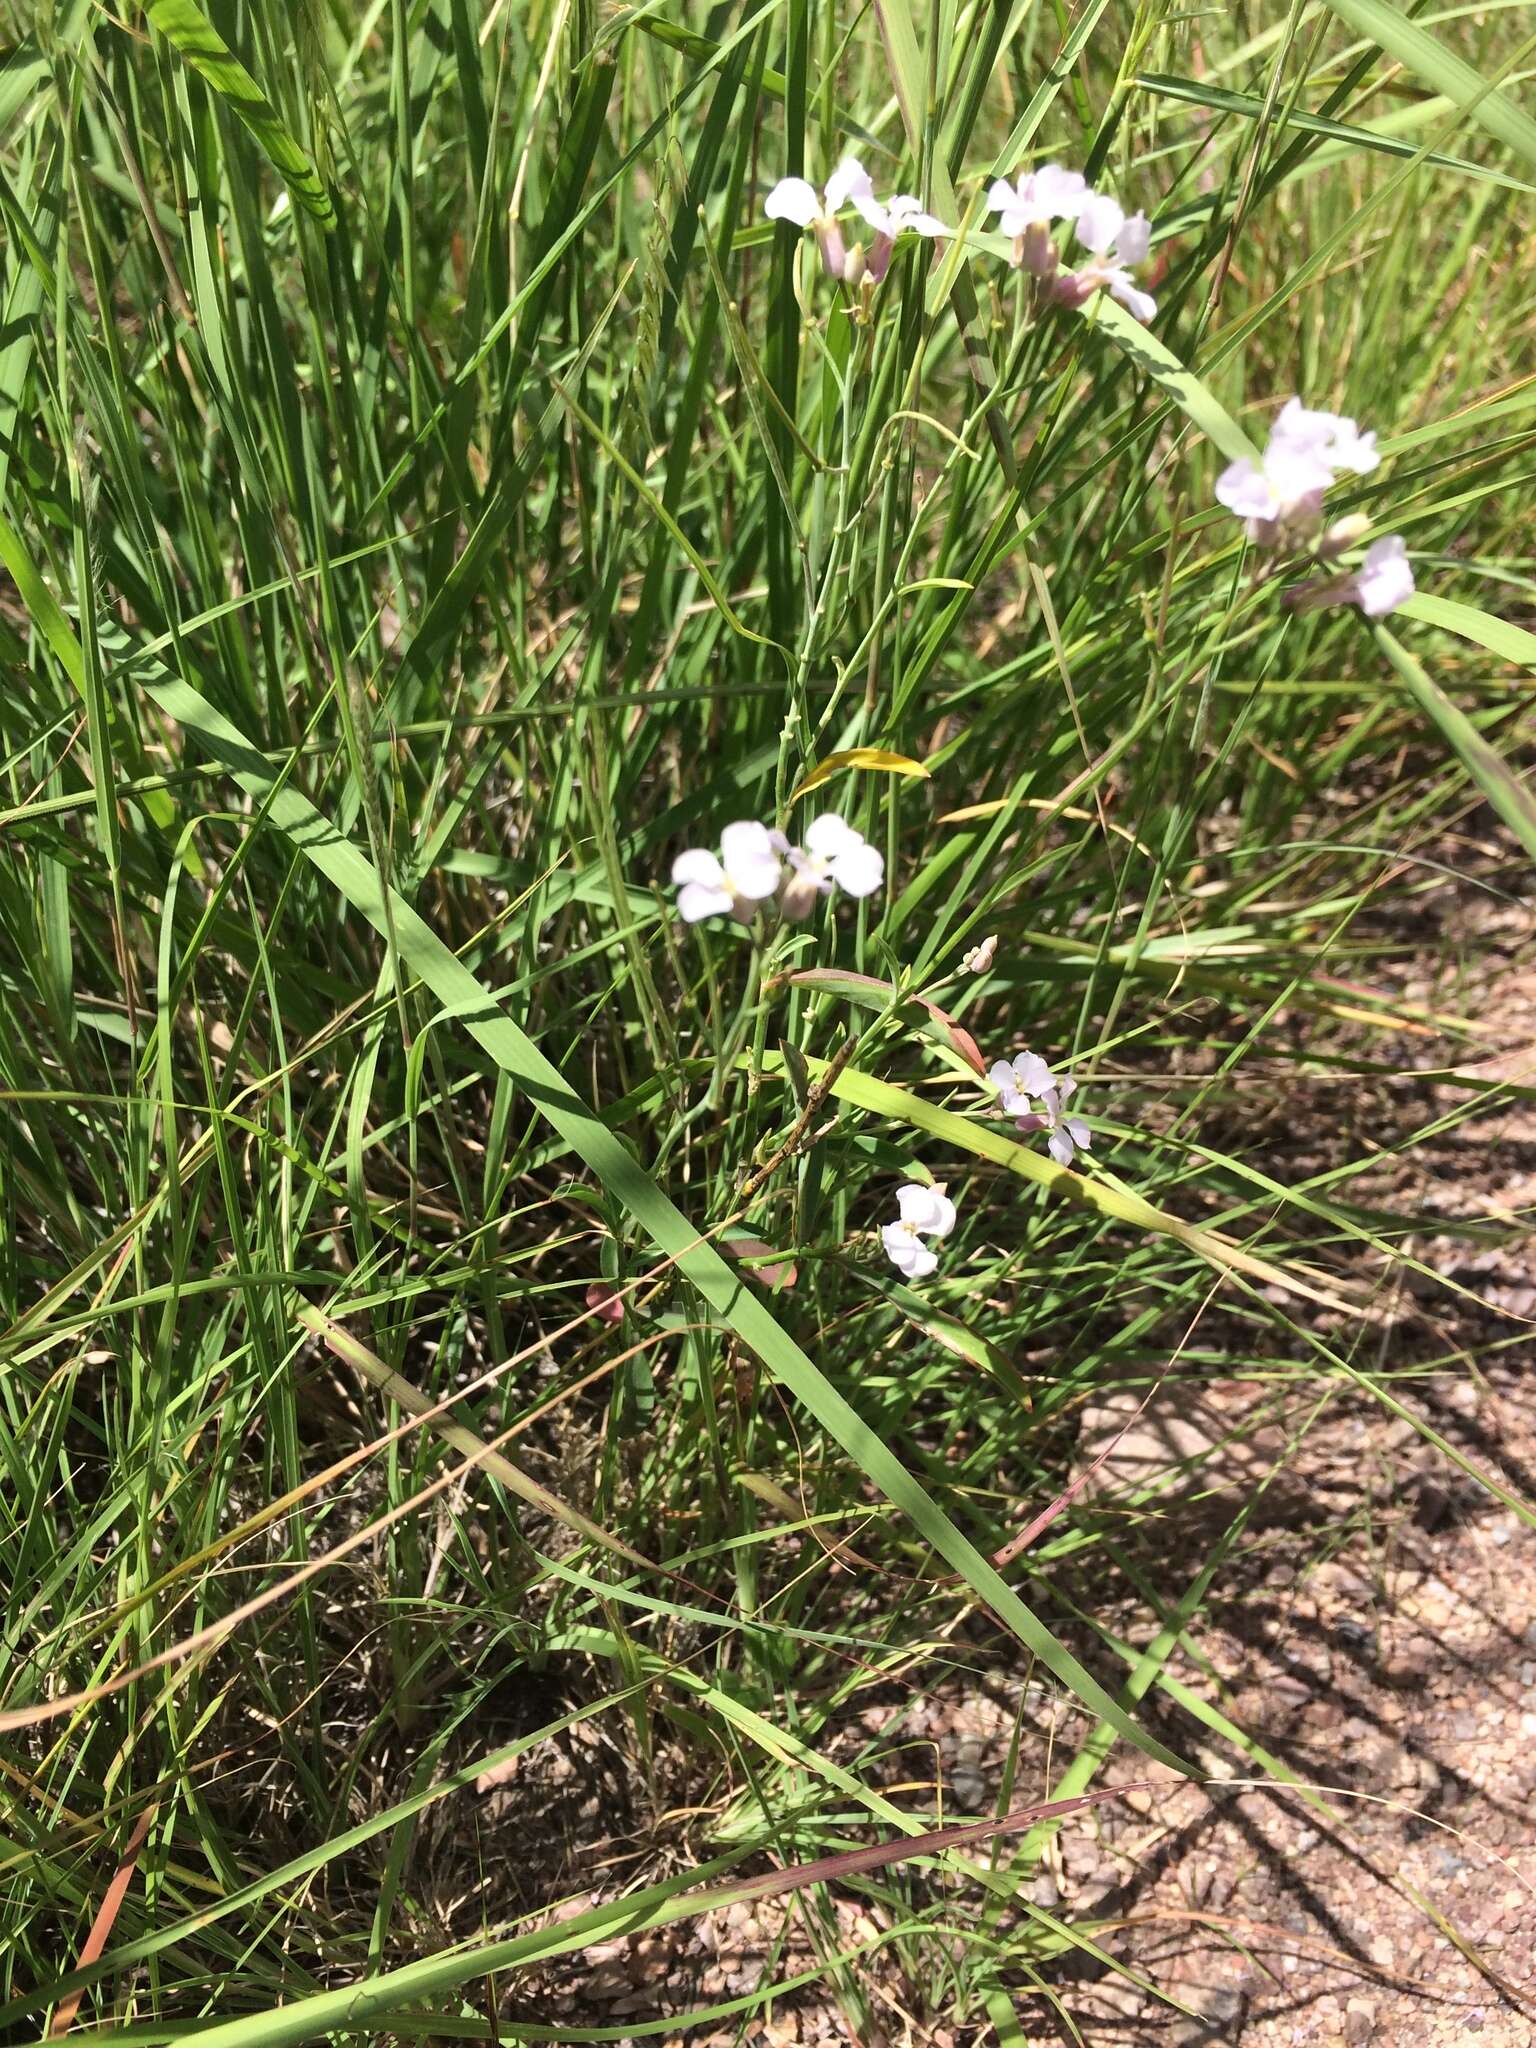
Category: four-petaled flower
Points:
column 1281, row 496
column 925, row 1212
column 1018, row 1080
column 749, row 868
column 1069, row 1134
column 1114, row 241
column 1031, row 207
column 1025, row 1079
column 833, row 854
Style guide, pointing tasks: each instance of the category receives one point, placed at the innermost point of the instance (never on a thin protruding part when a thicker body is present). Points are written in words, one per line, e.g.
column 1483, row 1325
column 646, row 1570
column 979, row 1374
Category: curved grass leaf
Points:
column 1250, row 107
column 675, row 1898
column 1469, row 622
column 1487, row 767
column 1186, row 390
column 1442, row 70
column 855, row 757
column 199, row 43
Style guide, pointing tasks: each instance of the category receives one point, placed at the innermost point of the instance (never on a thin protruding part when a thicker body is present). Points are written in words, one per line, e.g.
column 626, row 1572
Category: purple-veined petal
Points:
column 1079, row 1133
column 1060, row 1147
column 793, row 199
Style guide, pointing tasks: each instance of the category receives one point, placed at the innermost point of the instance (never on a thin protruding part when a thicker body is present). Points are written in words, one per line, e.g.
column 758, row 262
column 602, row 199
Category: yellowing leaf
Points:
column 856, row 757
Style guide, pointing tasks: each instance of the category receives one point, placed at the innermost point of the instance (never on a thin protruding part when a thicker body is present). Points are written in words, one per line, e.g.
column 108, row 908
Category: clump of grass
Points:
column 443, row 1290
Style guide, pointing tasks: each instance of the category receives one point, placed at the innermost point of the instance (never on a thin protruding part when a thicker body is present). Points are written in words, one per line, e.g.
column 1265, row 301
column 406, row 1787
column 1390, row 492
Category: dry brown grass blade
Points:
column 106, row 1918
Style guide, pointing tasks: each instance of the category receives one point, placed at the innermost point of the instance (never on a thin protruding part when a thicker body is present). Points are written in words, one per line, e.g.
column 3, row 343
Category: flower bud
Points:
column 1343, row 534
column 1035, row 250
column 1074, row 288
column 833, row 255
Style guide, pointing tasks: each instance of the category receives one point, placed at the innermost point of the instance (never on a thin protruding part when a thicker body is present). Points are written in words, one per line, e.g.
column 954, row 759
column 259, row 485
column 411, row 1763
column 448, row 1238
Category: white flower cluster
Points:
column 755, row 863
column 1029, row 208
column 1280, row 500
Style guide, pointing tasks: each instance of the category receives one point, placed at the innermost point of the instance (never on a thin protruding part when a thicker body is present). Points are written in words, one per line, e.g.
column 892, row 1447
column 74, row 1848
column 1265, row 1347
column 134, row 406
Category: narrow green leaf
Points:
column 1196, row 93
column 1186, row 390
column 199, row 43
column 986, row 1141
column 1486, row 766
column 1468, row 622
column 1442, row 70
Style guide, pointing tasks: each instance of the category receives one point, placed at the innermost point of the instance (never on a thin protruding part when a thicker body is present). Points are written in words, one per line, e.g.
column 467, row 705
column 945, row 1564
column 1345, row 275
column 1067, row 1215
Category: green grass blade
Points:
column 1487, row 767
column 1442, row 70
column 200, row 45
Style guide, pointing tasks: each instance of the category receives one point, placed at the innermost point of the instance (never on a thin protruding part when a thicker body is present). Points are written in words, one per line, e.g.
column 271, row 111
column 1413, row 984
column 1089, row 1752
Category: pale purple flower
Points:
column 1330, row 435
column 1030, row 208
column 1017, row 1080
column 1115, row 241
column 904, row 216
column 1285, row 488
column 834, row 855
column 925, row 1212
column 1384, row 578
column 1069, row 1134
column 1282, row 495
column 1026, row 1079
column 1039, row 198
column 748, row 868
